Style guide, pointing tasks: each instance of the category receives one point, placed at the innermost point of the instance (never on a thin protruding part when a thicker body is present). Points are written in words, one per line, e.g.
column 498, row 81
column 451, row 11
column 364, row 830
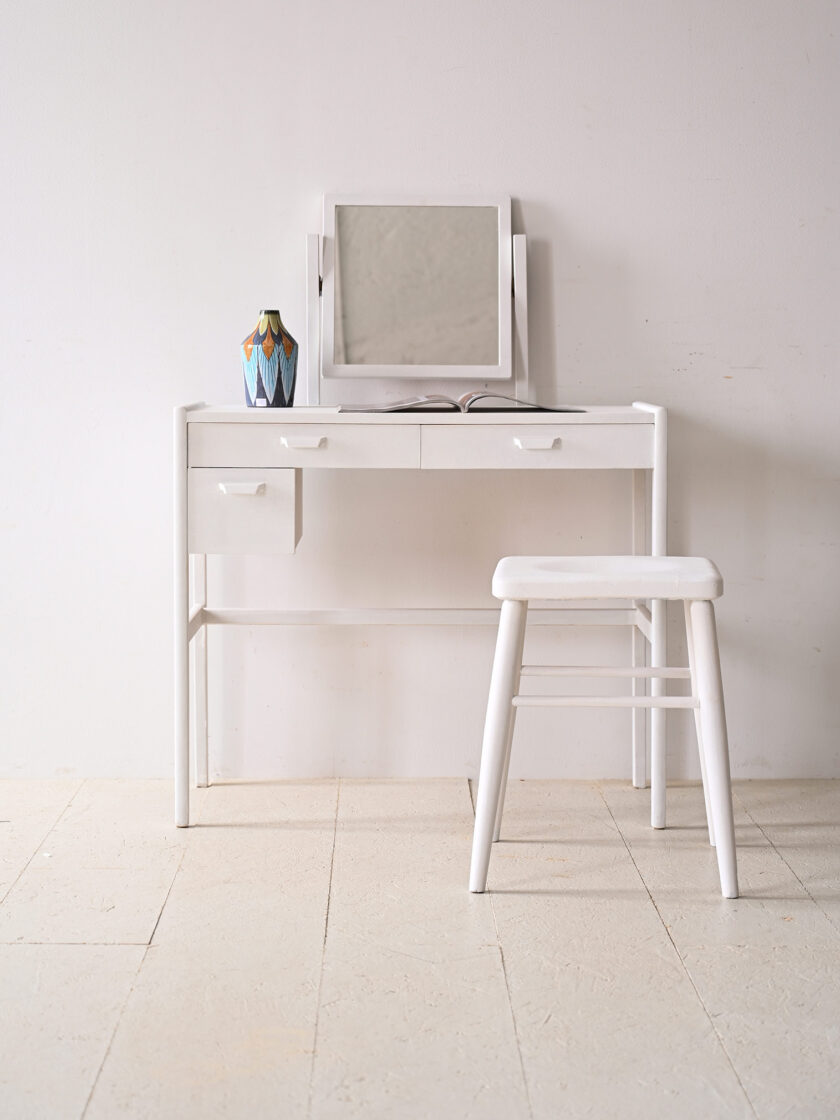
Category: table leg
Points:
column 658, row 743
column 198, row 659
column 181, row 627
column 638, row 644
column 658, row 644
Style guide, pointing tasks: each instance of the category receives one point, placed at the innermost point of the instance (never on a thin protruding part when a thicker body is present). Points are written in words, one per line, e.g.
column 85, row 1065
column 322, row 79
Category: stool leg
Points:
column 689, row 641
column 715, row 743
column 500, row 808
column 507, row 664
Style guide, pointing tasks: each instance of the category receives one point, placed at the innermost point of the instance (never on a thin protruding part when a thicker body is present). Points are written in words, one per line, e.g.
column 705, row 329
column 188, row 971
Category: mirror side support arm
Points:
column 312, row 381
column 520, row 316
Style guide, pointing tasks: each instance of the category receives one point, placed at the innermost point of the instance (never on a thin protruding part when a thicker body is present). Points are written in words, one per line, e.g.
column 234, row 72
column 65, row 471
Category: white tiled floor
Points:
column 309, row 949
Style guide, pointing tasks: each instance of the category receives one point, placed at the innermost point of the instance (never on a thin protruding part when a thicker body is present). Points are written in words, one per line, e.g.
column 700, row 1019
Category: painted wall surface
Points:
column 675, row 166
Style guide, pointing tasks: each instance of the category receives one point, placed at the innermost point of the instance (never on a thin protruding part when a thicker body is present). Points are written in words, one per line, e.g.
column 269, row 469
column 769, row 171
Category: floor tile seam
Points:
column 311, row 1094
column 526, row 1086
column 790, row 868
column 166, row 896
column 682, row 962
column 43, row 840
column 119, row 1018
column 177, row 871
column 515, row 1024
column 132, row 987
column 76, row 944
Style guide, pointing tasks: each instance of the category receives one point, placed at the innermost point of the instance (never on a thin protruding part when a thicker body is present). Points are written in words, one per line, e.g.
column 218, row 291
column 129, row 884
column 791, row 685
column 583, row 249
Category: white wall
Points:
column 675, row 165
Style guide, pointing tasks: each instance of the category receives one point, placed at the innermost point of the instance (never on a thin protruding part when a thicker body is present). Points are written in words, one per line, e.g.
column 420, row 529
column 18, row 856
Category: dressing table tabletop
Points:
column 577, row 414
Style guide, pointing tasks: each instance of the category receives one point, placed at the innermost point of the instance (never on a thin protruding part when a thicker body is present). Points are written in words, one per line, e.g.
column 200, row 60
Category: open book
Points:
column 436, row 402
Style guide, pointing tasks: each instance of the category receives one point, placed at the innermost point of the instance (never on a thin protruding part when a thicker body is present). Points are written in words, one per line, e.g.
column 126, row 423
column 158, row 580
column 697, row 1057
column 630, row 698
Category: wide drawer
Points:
column 243, row 512
column 544, row 446
column 303, row 445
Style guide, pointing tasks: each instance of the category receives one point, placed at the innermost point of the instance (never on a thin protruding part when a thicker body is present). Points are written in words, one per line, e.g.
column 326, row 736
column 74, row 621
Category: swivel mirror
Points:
column 416, row 289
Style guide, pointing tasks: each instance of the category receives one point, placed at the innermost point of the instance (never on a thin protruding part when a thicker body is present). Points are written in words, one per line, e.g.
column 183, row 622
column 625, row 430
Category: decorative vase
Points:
column 269, row 363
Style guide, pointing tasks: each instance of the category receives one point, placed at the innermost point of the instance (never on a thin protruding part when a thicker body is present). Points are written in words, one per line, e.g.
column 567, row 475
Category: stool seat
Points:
column 607, row 577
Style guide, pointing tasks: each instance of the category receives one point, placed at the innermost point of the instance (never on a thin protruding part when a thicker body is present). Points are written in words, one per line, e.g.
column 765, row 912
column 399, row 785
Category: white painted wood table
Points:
column 237, row 481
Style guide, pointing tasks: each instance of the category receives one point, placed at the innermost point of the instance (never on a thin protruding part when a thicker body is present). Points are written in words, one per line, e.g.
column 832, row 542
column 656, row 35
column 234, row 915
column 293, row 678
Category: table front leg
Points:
column 658, row 638
column 658, row 741
column 181, row 607
column 182, row 713
column 198, row 661
column 659, row 619
column 638, row 643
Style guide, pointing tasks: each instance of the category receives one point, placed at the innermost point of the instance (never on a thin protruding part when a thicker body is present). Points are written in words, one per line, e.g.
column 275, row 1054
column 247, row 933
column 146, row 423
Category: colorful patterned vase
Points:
column 269, row 362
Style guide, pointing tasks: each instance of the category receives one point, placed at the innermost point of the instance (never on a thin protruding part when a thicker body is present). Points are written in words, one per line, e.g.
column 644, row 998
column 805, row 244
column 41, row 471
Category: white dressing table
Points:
column 238, row 476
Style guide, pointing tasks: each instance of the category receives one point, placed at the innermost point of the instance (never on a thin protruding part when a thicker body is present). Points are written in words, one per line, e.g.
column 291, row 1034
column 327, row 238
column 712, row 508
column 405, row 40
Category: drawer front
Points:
column 303, row 445
column 243, row 511
column 544, row 446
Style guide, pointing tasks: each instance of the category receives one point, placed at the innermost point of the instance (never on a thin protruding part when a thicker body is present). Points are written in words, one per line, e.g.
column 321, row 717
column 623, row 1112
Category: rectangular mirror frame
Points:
column 500, row 372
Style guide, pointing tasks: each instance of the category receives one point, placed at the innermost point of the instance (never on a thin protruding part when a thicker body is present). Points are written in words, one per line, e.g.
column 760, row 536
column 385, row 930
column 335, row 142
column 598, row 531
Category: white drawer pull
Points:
column 248, row 489
column 536, row 443
column 303, row 443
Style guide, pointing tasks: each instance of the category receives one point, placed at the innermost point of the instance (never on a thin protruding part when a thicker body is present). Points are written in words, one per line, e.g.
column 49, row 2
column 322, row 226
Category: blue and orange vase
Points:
column 269, row 362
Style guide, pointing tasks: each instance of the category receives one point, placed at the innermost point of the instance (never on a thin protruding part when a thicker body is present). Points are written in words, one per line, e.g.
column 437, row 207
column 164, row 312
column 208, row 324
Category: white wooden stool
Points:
column 696, row 582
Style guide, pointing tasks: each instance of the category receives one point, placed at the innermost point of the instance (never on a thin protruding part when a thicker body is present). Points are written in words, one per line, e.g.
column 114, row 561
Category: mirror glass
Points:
column 416, row 286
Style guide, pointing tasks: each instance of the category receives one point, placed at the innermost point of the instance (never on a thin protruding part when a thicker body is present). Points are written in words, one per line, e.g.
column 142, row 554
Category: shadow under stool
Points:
column 695, row 582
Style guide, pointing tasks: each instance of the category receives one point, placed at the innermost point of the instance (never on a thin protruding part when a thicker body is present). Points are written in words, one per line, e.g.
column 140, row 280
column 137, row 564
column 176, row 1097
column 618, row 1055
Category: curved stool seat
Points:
column 693, row 580
column 606, row 577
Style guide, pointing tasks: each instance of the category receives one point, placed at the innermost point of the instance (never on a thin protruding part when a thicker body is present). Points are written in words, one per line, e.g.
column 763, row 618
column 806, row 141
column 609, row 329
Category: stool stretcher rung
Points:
column 195, row 622
column 603, row 671
column 643, row 613
column 643, row 623
column 605, row 702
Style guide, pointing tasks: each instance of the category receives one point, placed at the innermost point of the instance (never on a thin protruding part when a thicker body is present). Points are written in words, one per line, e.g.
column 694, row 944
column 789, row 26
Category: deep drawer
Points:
column 545, row 446
column 243, row 511
column 303, row 445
